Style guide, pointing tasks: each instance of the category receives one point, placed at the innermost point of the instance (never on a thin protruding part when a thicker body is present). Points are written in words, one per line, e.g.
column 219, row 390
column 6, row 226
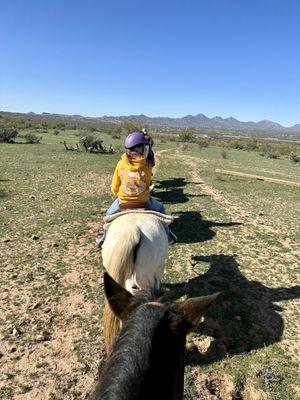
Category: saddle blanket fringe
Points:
column 165, row 219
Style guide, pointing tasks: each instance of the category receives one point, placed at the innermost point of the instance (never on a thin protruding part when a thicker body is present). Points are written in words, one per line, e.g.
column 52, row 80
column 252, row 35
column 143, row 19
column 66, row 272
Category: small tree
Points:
column 187, row 136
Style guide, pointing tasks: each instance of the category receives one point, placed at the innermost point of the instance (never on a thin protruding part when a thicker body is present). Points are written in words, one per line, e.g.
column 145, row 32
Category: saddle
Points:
column 165, row 219
column 132, row 205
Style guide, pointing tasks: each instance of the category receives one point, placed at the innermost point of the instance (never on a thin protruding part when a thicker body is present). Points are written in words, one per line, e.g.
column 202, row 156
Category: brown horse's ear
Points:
column 194, row 309
column 117, row 296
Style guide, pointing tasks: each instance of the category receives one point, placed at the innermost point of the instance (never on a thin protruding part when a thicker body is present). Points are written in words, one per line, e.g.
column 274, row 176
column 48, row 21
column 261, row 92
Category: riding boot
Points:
column 172, row 238
column 100, row 240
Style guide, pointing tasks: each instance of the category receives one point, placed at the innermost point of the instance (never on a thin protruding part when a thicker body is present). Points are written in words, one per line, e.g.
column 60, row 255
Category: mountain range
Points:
column 202, row 121
column 199, row 121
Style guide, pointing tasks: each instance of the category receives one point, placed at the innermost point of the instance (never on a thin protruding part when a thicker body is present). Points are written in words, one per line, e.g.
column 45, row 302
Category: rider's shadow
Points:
column 174, row 193
column 191, row 228
column 175, row 196
column 173, row 183
column 243, row 318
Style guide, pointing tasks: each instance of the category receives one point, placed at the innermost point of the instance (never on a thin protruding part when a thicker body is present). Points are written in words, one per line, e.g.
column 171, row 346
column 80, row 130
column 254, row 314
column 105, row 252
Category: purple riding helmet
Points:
column 134, row 139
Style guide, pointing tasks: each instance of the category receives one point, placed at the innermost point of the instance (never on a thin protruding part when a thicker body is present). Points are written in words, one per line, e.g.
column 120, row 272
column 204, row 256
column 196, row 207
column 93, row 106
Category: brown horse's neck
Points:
column 147, row 361
column 165, row 378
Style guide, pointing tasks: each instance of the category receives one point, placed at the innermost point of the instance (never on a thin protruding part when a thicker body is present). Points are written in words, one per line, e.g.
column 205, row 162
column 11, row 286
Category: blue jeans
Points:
column 153, row 204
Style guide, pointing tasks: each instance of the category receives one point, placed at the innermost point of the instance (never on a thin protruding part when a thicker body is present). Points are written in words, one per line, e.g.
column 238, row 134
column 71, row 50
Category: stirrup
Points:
column 100, row 241
column 172, row 238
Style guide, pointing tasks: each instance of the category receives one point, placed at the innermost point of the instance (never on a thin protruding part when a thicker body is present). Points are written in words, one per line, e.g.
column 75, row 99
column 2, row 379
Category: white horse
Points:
column 134, row 254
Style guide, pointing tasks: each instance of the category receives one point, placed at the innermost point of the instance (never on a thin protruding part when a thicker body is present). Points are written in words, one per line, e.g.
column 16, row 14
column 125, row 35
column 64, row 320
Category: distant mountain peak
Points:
column 268, row 124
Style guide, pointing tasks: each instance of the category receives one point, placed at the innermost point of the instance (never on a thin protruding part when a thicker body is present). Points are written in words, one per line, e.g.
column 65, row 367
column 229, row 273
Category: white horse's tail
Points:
column 120, row 266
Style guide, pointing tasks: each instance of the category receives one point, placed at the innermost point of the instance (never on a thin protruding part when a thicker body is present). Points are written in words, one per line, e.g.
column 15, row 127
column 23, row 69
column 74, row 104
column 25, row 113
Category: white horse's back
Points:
column 134, row 255
column 144, row 237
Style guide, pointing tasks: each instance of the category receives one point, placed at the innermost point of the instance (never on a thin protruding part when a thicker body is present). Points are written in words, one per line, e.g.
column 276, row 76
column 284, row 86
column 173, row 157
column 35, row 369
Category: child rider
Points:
column 132, row 179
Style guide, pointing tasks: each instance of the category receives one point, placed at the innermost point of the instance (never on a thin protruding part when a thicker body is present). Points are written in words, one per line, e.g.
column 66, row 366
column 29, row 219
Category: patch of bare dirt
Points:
column 50, row 319
column 249, row 392
column 214, row 387
column 221, row 387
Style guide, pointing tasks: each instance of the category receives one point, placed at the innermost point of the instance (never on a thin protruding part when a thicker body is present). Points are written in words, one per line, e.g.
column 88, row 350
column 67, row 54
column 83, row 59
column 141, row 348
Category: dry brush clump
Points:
column 8, row 134
column 89, row 143
column 295, row 158
column 31, row 138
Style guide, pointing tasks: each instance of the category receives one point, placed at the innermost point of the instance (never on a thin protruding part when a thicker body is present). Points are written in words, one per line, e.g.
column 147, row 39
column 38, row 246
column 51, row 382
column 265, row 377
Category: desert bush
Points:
column 235, row 144
column 31, row 138
column 202, row 143
column 251, row 144
column 271, row 153
column 91, row 128
column 284, row 149
column 295, row 158
column 91, row 143
column 186, row 136
column 224, row 154
column 115, row 132
column 131, row 125
column 8, row 134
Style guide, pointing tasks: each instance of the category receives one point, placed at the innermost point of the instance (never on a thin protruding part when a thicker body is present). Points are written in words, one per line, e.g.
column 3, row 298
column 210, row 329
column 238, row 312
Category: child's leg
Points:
column 113, row 208
column 156, row 205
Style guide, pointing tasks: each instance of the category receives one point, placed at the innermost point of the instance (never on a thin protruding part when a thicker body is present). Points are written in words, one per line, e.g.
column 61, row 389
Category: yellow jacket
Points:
column 131, row 179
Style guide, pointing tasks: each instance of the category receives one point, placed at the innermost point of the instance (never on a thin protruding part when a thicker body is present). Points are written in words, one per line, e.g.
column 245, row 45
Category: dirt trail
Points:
column 236, row 212
column 157, row 159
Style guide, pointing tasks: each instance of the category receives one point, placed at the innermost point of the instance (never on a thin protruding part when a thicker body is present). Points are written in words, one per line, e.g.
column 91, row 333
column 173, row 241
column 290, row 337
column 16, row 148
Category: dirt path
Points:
column 157, row 159
column 236, row 212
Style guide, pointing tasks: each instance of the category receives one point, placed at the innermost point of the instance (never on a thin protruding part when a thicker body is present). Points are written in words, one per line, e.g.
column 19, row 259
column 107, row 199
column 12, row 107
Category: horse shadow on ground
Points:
column 175, row 192
column 191, row 228
column 243, row 318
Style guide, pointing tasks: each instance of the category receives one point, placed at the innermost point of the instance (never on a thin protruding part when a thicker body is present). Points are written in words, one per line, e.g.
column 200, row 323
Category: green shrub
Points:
column 224, row 154
column 271, row 153
column 202, row 143
column 186, row 136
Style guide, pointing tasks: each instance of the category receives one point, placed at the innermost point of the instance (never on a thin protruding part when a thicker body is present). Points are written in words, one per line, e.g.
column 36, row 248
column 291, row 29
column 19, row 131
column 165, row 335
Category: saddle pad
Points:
column 165, row 219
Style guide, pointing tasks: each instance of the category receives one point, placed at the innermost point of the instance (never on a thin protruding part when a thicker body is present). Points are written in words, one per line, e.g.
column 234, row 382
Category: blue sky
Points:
column 235, row 58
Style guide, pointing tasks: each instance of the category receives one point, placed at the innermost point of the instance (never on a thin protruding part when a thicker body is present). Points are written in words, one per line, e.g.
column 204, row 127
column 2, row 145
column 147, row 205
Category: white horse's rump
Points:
column 133, row 253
